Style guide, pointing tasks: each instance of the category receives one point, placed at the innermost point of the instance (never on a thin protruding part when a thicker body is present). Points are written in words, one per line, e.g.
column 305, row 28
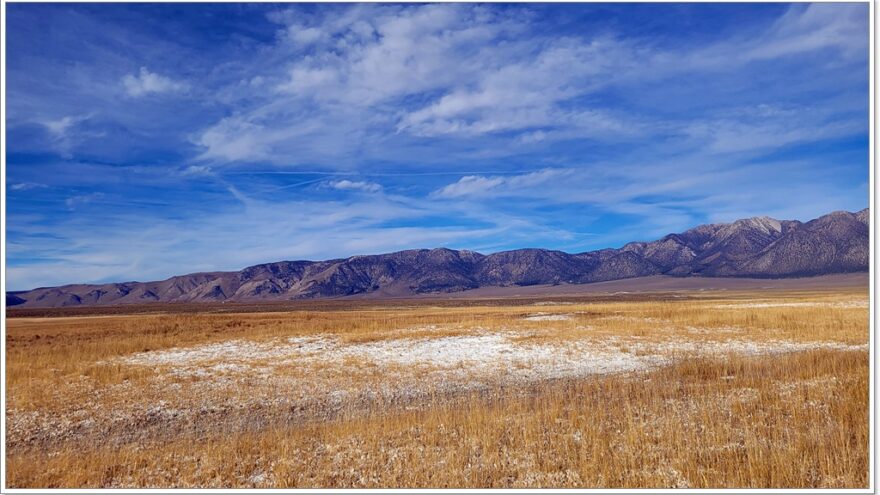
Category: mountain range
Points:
column 759, row 247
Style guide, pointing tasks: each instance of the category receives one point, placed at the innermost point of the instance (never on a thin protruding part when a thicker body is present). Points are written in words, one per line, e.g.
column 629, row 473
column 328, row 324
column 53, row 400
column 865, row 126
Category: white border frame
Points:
column 872, row 292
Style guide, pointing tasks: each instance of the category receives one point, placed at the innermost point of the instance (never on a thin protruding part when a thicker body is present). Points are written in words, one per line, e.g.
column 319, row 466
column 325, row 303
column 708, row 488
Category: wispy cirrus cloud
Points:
column 124, row 249
column 197, row 171
column 369, row 74
column 82, row 199
column 67, row 132
column 25, row 186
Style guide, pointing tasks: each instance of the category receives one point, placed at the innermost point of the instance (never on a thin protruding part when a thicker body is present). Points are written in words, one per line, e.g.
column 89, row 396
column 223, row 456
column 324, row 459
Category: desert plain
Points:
column 686, row 388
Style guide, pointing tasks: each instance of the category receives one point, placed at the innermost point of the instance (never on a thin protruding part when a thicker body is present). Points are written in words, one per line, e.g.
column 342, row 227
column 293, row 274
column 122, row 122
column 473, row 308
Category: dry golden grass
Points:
column 721, row 390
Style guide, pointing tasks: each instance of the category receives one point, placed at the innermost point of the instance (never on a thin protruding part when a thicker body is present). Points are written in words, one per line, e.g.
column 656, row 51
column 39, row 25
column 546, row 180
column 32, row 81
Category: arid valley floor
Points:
column 715, row 388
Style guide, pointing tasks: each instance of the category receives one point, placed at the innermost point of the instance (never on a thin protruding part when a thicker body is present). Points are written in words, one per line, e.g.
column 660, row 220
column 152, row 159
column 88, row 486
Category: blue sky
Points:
column 146, row 141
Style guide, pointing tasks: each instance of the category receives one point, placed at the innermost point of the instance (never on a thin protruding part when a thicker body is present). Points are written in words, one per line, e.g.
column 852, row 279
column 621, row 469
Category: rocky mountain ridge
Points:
column 760, row 247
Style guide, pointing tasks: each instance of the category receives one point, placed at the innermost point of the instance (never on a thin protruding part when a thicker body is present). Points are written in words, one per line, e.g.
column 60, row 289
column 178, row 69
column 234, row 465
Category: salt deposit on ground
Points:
column 547, row 317
column 480, row 354
column 315, row 375
column 232, row 351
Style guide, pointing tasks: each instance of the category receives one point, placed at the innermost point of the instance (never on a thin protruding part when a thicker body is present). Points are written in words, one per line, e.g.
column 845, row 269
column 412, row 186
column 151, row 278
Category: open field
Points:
column 693, row 389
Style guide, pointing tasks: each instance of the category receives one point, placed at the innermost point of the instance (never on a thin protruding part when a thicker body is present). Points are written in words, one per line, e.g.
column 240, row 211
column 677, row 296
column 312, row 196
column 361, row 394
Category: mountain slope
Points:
column 754, row 247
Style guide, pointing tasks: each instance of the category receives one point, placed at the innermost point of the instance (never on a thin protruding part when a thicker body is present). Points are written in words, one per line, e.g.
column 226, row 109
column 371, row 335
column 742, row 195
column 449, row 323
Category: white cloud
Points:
column 804, row 28
column 74, row 201
column 347, row 89
column 526, row 92
column 62, row 129
column 305, row 35
column 25, row 186
column 469, row 185
column 234, row 138
column 197, row 171
column 121, row 247
column 347, row 185
column 65, row 134
column 205, row 171
column 146, row 82
column 751, row 128
column 353, row 79
column 59, row 127
column 480, row 186
column 816, row 26
column 369, row 54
